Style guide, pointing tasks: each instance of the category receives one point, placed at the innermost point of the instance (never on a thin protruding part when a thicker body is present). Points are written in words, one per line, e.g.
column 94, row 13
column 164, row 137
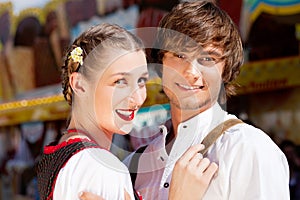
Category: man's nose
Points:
column 192, row 72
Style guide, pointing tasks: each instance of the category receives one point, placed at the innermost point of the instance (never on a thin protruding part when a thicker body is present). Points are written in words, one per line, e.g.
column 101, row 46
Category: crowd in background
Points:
column 292, row 152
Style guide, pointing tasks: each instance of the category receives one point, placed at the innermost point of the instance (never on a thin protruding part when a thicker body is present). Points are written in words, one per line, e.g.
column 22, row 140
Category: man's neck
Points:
column 178, row 116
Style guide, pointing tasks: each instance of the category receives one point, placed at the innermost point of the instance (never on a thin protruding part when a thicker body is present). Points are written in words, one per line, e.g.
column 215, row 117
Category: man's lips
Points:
column 126, row 114
column 190, row 87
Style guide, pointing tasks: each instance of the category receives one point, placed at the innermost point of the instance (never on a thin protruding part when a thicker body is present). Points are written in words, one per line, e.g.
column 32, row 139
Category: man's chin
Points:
column 192, row 106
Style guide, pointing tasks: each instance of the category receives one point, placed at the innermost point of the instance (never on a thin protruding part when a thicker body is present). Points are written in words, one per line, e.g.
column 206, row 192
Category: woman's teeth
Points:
column 125, row 112
column 126, row 115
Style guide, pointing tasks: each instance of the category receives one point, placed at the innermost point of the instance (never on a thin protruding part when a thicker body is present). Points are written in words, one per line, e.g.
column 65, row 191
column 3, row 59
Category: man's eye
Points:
column 178, row 55
column 207, row 61
column 142, row 81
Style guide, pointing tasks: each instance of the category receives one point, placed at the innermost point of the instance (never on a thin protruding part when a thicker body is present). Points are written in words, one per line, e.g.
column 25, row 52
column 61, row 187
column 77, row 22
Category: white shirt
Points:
column 95, row 170
column 251, row 166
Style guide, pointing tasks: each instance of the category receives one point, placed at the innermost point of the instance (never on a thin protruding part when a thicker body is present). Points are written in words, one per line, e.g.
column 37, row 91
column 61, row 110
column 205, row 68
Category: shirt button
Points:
column 162, row 158
column 166, row 185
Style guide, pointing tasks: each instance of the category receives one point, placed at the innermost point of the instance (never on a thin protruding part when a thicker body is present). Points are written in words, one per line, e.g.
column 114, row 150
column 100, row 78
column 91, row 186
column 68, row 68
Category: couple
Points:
column 104, row 80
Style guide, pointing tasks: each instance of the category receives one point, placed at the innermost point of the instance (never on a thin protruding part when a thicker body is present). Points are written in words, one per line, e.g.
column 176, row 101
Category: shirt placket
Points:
column 184, row 139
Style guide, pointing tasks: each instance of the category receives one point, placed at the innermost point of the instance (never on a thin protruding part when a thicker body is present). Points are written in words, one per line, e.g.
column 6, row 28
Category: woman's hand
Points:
column 91, row 196
column 191, row 175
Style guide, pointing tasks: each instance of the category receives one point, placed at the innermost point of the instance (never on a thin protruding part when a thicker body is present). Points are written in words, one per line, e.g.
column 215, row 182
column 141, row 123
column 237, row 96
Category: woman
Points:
column 104, row 79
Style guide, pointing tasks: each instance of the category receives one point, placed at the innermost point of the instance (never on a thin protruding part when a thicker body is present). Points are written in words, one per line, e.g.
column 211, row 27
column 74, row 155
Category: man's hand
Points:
column 191, row 175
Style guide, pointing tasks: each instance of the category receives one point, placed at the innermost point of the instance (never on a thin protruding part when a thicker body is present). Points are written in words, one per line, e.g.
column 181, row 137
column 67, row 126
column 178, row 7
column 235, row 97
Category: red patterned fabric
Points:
column 53, row 159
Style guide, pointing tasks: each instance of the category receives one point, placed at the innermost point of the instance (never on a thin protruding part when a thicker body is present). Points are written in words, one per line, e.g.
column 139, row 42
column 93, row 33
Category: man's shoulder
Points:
column 244, row 129
column 249, row 137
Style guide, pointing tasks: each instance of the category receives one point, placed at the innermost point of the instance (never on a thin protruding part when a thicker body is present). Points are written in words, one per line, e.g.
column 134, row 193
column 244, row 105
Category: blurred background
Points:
column 34, row 35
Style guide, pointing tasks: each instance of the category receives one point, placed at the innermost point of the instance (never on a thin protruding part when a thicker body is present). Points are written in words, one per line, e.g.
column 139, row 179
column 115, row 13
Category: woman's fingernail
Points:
column 80, row 194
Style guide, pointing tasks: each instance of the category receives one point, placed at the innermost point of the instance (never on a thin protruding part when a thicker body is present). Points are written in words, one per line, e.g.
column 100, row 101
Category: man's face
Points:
column 193, row 81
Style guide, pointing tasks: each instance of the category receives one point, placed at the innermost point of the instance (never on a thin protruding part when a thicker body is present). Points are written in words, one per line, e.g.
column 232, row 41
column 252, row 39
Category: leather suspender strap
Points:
column 134, row 163
column 217, row 132
column 133, row 168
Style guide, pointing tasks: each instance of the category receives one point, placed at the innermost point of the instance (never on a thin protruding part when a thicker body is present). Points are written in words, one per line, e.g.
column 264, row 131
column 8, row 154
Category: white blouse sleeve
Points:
column 94, row 170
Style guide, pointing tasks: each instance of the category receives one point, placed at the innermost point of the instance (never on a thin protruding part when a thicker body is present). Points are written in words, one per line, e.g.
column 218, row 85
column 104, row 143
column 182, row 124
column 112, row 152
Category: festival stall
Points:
column 33, row 110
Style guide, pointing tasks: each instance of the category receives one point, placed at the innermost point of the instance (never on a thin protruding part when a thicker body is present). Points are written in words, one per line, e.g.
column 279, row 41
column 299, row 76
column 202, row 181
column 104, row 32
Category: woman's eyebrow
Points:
column 127, row 74
column 121, row 73
column 145, row 74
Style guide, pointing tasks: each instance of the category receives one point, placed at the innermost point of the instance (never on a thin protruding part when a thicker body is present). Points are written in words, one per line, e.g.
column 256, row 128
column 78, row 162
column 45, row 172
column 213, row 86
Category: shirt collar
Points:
column 193, row 130
column 206, row 120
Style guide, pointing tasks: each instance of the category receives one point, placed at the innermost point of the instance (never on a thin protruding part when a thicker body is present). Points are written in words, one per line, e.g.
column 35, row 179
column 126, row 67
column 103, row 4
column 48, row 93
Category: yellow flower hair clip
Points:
column 76, row 55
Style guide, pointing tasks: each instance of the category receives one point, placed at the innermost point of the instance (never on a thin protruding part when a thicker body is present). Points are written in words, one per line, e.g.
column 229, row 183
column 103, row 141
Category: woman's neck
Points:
column 92, row 132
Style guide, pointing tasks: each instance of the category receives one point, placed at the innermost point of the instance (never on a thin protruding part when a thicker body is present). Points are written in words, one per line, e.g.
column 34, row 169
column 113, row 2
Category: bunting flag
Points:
column 251, row 9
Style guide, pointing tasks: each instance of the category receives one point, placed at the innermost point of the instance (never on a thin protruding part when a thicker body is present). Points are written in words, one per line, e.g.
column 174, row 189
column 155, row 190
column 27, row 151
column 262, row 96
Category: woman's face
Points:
column 120, row 91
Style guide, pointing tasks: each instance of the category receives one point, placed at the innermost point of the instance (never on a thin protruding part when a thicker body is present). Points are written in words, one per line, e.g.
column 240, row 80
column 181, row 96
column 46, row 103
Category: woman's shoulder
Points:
column 92, row 169
column 100, row 159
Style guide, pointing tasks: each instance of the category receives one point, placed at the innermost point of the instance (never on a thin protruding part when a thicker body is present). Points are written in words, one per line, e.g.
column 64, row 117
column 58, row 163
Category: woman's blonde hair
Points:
column 106, row 36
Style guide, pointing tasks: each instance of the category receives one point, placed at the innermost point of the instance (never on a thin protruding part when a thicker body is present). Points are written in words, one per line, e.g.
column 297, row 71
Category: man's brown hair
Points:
column 201, row 23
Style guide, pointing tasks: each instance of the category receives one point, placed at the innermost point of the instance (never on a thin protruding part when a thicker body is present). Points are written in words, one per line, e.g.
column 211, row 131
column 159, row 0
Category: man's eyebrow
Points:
column 213, row 52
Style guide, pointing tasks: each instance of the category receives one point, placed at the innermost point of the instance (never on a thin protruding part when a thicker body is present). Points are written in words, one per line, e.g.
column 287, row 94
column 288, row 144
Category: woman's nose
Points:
column 137, row 98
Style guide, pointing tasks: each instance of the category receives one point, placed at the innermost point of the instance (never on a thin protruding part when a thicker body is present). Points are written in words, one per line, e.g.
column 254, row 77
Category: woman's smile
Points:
column 126, row 114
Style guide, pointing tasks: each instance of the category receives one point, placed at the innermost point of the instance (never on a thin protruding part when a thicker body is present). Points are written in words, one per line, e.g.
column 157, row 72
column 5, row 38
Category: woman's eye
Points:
column 142, row 81
column 121, row 82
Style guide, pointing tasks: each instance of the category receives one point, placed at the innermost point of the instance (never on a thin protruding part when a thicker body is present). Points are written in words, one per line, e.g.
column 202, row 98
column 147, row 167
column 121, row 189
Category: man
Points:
column 201, row 53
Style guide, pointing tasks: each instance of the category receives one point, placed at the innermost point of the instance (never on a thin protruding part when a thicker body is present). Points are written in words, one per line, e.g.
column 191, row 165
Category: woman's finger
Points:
column 89, row 196
column 126, row 195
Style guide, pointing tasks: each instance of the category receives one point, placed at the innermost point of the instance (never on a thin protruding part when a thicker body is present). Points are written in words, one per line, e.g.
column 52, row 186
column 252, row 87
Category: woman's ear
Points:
column 77, row 82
